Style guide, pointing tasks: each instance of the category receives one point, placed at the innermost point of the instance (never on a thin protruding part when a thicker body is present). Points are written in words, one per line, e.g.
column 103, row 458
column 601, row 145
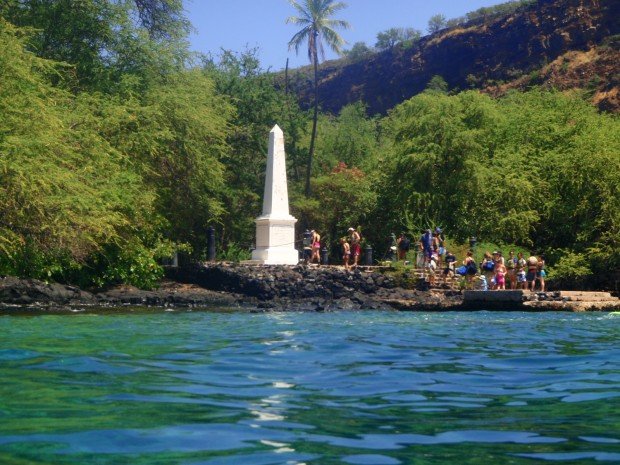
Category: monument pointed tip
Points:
column 276, row 128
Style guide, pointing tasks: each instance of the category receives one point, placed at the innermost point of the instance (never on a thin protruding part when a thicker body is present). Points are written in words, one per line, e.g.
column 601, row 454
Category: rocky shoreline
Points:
column 274, row 288
column 230, row 286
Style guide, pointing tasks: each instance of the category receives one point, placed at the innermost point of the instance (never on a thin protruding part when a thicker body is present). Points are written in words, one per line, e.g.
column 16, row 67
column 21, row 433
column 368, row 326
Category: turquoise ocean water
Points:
column 305, row 388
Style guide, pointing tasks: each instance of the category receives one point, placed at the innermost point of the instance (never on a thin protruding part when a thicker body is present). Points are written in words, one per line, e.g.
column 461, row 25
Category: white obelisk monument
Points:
column 275, row 228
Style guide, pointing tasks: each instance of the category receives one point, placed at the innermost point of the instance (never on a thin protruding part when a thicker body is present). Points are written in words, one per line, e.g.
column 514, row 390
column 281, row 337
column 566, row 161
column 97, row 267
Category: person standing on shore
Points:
column 426, row 245
column 532, row 268
column 488, row 269
column 500, row 276
column 521, row 276
column 316, row 247
column 403, row 244
column 439, row 244
column 356, row 248
column 448, row 272
column 471, row 269
column 541, row 273
column 511, row 265
column 346, row 252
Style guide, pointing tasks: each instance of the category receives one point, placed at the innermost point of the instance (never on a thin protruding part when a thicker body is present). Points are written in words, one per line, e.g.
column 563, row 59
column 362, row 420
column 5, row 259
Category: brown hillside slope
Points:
column 595, row 72
column 475, row 55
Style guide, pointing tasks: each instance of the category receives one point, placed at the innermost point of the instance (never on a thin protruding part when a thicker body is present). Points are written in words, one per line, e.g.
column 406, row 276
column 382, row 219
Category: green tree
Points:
column 67, row 194
column 351, row 138
column 343, row 197
column 437, row 84
column 105, row 39
column 396, row 35
column 436, row 23
column 317, row 25
column 358, row 51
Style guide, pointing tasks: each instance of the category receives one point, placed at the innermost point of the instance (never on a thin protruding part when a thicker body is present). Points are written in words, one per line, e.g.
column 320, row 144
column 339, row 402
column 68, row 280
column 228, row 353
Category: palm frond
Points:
column 314, row 17
column 298, row 39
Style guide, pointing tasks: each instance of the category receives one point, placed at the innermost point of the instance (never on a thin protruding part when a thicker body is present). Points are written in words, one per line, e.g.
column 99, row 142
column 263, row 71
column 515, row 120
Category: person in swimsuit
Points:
column 532, row 268
column 500, row 276
column 346, row 252
column 541, row 273
column 356, row 248
column 511, row 265
column 521, row 276
column 470, row 264
column 316, row 247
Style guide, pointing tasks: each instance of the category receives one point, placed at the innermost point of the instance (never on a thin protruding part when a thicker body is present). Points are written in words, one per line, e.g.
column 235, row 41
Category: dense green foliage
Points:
column 397, row 35
column 117, row 147
column 539, row 169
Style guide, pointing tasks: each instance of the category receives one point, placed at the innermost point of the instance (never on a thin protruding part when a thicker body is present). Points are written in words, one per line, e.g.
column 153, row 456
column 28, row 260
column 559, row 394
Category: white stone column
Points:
column 275, row 228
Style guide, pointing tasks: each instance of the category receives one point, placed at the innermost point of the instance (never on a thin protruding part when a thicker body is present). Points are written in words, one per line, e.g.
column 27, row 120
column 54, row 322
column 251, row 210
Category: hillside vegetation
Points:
column 485, row 50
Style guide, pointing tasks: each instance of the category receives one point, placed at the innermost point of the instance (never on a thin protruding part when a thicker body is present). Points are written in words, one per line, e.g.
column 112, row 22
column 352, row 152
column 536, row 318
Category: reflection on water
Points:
column 303, row 388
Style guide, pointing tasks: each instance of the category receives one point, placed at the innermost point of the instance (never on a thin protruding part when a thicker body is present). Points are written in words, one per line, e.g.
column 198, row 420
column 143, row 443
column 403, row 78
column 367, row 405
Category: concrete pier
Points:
column 575, row 301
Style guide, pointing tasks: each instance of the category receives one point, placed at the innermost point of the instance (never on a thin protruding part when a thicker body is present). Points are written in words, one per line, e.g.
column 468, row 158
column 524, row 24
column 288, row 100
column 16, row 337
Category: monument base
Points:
column 275, row 241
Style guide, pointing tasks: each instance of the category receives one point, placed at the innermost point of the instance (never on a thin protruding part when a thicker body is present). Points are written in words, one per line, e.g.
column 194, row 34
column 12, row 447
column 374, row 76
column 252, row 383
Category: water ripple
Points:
column 298, row 388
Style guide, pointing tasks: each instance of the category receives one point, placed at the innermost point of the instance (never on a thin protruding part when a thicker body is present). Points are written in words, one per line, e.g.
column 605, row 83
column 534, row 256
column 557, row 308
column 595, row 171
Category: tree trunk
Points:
column 314, row 121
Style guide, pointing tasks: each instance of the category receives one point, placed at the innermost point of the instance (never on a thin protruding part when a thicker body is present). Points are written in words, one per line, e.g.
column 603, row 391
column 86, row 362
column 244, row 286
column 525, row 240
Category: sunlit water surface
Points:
column 306, row 388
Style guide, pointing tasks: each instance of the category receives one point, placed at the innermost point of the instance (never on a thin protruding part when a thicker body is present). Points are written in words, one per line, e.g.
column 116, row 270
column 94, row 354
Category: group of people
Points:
column 351, row 248
column 513, row 272
column 494, row 272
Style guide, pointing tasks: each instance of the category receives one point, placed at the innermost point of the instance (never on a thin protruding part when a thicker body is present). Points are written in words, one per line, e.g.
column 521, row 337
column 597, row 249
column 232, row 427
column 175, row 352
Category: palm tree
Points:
column 316, row 27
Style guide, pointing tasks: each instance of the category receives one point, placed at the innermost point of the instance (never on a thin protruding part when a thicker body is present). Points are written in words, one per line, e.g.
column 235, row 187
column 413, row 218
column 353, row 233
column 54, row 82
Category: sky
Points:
column 240, row 24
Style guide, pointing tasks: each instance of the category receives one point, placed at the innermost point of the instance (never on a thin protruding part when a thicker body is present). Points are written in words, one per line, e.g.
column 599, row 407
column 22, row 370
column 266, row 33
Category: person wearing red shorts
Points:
column 356, row 248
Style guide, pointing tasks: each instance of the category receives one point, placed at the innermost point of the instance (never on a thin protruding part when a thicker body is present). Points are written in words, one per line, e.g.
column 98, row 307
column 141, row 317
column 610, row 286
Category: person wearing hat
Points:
column 356, row 248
